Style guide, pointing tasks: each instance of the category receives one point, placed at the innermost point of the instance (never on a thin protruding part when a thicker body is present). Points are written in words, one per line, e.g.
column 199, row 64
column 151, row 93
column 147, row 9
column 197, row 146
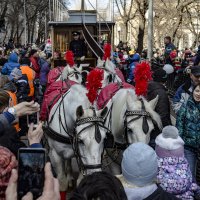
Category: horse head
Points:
column 89, row 138
column 141, row 119
column 72, row 73
column 110, row 75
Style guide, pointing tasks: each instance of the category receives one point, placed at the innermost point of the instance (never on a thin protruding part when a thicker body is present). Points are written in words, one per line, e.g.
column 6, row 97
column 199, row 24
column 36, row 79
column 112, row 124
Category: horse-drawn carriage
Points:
column 93, row 32
column 77, row 124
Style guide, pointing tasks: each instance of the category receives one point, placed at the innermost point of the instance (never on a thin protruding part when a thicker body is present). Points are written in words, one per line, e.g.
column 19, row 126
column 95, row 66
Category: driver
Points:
column 77, row 46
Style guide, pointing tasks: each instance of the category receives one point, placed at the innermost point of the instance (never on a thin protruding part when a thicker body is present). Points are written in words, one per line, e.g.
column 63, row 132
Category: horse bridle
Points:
column 139, row 113
column 75, row 72
column 93, row 121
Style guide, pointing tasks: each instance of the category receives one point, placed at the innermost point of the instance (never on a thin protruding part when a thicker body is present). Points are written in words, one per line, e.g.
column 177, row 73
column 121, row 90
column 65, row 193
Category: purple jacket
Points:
column 44, row 70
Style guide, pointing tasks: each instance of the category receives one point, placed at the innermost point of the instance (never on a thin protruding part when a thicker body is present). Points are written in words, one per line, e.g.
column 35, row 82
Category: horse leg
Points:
column 58, row 165
column 69, row 173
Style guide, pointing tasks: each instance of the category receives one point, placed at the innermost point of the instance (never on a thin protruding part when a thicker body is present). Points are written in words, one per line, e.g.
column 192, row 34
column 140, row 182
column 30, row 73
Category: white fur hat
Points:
column 169, row 138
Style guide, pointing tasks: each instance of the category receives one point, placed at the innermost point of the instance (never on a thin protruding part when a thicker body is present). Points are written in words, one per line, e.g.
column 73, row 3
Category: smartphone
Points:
column 33, row 118
column 31, row 171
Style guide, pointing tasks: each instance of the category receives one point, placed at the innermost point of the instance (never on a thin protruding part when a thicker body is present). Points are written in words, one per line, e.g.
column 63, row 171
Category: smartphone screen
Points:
column 31, row 171
column 33, row 118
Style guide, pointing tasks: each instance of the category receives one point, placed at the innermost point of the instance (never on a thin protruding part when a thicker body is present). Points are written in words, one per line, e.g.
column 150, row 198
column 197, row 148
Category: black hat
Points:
column 33, row 51
column 160, row 75
column 75, row 33
column 195, row 70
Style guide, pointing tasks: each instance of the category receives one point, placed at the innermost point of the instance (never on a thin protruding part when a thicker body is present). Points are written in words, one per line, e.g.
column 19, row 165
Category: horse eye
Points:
column 80, row 141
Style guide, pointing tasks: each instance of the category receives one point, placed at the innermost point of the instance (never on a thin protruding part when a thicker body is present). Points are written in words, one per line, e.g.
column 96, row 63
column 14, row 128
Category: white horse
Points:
column 73, row 112
column 131, row 118
column 110, row 75
column 71, row 73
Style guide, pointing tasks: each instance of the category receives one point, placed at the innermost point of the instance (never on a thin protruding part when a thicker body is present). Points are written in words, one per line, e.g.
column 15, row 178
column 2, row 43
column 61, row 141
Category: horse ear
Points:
column 154, row 102
column 104, row 112
column 79, row 112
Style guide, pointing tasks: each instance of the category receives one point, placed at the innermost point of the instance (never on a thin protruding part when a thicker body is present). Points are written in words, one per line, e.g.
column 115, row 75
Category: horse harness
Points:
column 72, row 139
column 138, row 113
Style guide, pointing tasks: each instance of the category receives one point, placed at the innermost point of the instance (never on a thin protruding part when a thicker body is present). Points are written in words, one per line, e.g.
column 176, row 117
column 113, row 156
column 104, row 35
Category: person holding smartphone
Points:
column 50, row 190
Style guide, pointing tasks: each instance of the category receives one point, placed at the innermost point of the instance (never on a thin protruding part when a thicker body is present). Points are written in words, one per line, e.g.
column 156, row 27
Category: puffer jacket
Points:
column 44, row 70
column 188, row 123
column 11, row 64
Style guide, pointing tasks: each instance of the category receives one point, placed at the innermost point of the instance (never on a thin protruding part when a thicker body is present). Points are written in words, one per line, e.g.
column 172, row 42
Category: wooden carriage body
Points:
column 92, row 31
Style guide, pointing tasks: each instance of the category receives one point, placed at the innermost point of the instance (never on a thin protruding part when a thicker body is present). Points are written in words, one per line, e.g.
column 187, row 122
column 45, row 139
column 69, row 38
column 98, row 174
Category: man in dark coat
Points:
column 156, row 87
column 169, row 47
column 77, row 46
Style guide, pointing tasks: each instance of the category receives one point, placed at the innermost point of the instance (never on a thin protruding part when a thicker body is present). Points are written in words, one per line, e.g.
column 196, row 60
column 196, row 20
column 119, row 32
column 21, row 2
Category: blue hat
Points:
column 139, row 164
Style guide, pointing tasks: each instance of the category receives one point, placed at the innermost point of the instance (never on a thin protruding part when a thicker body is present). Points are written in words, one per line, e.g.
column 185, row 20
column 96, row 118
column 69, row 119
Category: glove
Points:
column 82, row 58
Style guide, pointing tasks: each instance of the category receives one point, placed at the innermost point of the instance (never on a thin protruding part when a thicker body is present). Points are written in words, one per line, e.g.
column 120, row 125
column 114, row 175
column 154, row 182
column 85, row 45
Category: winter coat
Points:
column 44, row 70
column 182, row 95
column 35, row 66
column 188, row 123
column 197, row 59
column 163, row 105
column 11, row 64
column 78, row 48
column 174, row 173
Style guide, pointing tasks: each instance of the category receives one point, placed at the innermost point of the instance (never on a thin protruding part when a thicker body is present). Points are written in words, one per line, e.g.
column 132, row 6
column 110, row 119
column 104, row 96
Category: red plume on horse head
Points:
column 69, row 56
column 107, row 52
column 143, row 75
column 94, row 83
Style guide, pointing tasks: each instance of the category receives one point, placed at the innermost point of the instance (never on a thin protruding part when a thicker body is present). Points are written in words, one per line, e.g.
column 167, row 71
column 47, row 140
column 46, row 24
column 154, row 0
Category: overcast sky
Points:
column 76, row 4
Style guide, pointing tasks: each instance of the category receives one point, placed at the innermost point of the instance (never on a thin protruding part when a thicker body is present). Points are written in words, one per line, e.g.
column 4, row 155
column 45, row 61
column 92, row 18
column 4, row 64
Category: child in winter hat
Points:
column 174, row 174
column 139, row 174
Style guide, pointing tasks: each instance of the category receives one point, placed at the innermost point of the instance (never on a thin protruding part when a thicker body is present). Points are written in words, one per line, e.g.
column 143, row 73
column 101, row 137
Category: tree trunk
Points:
column 141, row 33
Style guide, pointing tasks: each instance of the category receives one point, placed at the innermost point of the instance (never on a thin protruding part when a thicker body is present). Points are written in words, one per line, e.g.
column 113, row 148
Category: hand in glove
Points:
column 82, row 58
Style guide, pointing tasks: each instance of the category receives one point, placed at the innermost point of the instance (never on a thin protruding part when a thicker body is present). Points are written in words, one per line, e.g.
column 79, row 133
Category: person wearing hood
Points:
column 11, row 64
column 157, row 88
column 174, row 173
column 134, row 59
column 139, row 174
column 44, row 63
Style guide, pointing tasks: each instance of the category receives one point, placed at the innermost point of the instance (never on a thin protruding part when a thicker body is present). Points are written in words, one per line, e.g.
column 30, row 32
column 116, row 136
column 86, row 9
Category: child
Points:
column 174, row 174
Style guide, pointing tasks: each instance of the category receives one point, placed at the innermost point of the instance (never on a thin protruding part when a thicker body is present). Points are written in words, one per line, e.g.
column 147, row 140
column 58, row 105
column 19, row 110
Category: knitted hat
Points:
column 25, row 61
column 16, row 73
column 160, row 75
column 7, row 163
column 169, row 138
column 139, row 164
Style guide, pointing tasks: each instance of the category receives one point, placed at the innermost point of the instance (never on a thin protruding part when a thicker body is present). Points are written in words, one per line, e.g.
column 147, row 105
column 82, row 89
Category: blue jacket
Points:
column 11, row 64
column 188, row 123
column 133, row 62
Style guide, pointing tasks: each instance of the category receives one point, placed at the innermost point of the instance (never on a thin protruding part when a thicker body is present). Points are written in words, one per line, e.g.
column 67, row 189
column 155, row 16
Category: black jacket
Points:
column 163, row 105
column 78, row 47
column 160, row 194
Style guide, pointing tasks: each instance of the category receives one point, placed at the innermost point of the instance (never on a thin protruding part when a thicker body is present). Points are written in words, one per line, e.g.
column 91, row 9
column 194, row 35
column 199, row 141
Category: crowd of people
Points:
column 167, row 168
